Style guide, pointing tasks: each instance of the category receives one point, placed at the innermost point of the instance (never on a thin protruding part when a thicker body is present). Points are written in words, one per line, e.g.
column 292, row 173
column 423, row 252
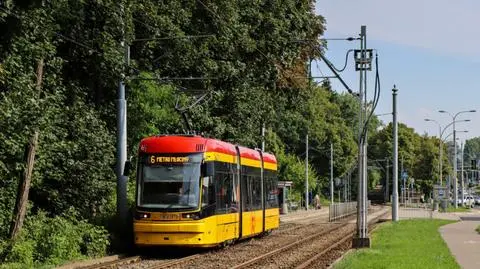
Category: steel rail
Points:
column 174, row 262
column 310, row 262
column 115, row 263
column 271, row 253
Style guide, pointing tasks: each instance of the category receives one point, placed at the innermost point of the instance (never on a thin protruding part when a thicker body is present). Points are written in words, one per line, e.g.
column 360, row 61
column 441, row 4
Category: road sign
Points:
column 404, row 175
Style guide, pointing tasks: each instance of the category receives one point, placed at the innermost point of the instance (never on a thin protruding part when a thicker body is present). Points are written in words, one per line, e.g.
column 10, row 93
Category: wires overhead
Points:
column 376, row 98
column 334, row 70
column 346, row 62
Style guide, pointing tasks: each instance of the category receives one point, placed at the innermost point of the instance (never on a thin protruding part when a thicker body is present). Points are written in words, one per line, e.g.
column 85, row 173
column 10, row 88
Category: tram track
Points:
column 270, row 254
column 115, row 263
column 318, row 260
column 141, row 262
column 304, row 251
column 296, row 245
column 175, row 262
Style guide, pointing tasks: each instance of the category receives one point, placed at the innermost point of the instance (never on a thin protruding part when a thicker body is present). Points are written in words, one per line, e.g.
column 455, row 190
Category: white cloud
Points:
column 445, row 26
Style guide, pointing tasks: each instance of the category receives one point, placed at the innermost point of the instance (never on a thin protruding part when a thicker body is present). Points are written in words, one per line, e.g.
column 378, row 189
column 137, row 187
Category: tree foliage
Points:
column 417, row 155
column 230, row 66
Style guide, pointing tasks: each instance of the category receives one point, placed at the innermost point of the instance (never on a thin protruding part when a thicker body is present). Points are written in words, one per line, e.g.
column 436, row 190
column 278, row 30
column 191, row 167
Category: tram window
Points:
column 208, row 191
column 271, row 192
column 248, row 193
column 266, row 191
column 224, row 184
column 258, row 192
column 244, row 192
column 235, row 192
column 253, row 193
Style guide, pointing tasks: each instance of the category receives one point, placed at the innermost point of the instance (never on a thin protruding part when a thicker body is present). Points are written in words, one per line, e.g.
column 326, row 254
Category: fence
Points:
column 342, row 210
column 415, row 211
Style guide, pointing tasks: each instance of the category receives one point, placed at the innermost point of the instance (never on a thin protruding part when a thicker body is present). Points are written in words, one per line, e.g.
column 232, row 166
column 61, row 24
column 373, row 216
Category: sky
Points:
column 429, row 49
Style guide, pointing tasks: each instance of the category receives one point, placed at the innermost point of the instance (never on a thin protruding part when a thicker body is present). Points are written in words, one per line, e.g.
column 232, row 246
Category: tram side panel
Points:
column 227, row 202
column 252, row 216
column 272, row 212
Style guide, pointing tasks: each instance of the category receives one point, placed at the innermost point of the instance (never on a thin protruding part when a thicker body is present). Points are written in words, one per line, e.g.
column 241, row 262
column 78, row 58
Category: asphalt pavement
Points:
column 462, row 239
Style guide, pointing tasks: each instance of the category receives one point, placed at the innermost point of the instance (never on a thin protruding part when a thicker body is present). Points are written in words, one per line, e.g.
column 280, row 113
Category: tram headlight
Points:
column 193, row 216
column 142, row 215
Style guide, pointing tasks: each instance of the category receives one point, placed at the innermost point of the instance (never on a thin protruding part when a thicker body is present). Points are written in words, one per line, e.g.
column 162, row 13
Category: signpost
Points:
column 404, row 177
column 440, row 197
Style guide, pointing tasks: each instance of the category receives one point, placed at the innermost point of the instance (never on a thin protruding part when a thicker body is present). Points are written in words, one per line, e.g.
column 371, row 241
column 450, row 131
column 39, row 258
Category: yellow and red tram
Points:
column 202, row 192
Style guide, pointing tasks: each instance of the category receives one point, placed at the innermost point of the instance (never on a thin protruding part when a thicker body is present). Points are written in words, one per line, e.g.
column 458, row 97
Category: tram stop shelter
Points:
column 284, row 188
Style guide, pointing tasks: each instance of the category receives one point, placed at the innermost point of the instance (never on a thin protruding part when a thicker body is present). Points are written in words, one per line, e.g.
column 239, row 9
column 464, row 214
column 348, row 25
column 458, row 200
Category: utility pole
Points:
column 462, row 186
column 455, row 187
column 361, row 239
column 306, row 173
column 122, row 135
column 263, row 137
column 395, row 158
column 331, row 173
column 387, row 189
column 403, row 181
column 441, row 162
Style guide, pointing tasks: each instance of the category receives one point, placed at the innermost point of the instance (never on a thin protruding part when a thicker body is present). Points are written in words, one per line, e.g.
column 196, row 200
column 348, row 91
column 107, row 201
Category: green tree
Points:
column 471, row 151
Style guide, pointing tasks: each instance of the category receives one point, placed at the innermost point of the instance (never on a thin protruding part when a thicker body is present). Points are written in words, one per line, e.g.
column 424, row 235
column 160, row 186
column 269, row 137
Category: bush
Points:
column 51, row 241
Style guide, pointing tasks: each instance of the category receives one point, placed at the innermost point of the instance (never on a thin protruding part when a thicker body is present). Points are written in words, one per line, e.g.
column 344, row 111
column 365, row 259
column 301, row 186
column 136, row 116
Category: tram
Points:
column 193, row 191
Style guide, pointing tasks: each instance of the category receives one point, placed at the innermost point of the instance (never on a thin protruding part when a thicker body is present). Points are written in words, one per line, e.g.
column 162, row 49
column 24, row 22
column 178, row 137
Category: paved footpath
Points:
column 463, row 241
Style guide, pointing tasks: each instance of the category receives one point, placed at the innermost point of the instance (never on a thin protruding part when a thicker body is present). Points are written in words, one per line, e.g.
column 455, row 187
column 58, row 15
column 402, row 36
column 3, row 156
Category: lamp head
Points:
column 442, row 111
column 473, row 110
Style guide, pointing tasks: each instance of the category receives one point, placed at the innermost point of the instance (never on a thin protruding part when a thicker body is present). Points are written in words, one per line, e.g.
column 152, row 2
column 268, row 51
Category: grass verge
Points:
column 478, row 229
column 459, row 209
column 406, row 244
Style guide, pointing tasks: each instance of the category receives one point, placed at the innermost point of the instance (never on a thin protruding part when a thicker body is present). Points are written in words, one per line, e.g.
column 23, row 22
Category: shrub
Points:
column 51, row 241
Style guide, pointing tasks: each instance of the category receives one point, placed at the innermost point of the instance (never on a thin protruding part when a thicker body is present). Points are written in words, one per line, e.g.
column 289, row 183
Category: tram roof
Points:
column 193, row 143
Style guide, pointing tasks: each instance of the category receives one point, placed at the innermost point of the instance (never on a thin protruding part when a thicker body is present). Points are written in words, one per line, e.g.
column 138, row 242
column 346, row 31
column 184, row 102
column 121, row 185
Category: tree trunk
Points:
column 24, row 187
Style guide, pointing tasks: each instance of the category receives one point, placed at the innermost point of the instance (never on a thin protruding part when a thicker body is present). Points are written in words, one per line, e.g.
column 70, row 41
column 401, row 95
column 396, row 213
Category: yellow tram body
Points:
column 207, row 232
column 241, row 218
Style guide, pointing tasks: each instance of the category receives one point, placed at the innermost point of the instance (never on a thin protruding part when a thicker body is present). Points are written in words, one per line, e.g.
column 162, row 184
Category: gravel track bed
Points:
column 244, row 251
column 143, row 264
column 304, row 251
column 288, row 232
column 331, row 256
column 291, row 231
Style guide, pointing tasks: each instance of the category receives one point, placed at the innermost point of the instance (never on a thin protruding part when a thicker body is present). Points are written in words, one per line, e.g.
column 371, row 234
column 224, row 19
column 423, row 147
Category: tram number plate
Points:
column 167, row 217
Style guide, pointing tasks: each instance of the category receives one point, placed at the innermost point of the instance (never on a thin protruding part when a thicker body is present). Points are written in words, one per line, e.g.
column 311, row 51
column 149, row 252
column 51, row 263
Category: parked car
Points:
column 477, row 200
column 469, row 201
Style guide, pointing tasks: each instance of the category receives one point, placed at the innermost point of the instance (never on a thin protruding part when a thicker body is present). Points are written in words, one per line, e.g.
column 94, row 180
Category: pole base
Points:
column 361, row 242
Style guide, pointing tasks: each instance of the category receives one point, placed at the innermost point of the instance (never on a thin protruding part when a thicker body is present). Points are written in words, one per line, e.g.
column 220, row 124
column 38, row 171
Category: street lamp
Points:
column 441, row 132
column 462, row 185
column 455, row 151
column 440, row 150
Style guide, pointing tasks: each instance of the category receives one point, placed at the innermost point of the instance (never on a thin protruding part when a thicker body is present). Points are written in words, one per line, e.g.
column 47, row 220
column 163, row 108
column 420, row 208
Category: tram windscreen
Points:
column 170, row 183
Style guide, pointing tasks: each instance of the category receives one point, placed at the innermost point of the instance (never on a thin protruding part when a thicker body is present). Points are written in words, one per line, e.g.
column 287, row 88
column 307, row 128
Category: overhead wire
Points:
column 376, row 98
column 346, row 62
column 334, row 70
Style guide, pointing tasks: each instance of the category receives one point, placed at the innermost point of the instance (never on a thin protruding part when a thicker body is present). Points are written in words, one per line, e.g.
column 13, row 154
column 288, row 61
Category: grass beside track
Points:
column 459, row 209
column 404, row 245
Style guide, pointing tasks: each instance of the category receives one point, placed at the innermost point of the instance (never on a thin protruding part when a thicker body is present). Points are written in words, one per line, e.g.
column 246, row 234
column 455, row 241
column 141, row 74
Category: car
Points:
column 477, row 199
column 469, row 201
